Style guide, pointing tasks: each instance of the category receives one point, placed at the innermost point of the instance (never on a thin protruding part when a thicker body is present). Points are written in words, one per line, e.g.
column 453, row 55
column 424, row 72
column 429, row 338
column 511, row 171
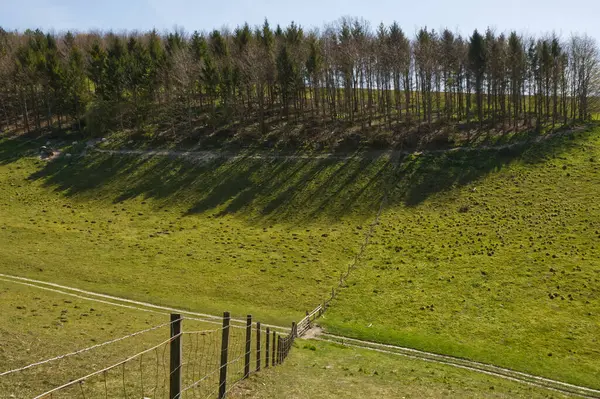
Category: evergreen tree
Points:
column 477, row 64
column 378, row 78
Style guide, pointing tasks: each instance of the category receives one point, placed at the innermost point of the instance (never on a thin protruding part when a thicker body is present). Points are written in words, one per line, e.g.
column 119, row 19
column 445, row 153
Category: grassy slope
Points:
column 324, row 370
column 37, row 325
column 247, row 235
column 271, row 237
column 500, row 267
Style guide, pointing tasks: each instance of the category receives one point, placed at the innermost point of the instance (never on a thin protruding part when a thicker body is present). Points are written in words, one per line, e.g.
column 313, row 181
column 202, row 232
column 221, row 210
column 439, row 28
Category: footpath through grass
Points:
column 324, row 370
column 492, row 258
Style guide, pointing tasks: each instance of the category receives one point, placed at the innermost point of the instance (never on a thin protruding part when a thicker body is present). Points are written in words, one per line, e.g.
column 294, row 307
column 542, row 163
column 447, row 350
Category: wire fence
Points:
column 188, row 363
column 305, row 324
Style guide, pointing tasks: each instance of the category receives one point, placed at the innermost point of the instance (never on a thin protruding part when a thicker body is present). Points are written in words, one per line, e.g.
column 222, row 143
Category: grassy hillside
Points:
column 45, row 324
column 491, row 257
column 38, row 324
column 323, row 370
column 486, row 254
column 246, row 235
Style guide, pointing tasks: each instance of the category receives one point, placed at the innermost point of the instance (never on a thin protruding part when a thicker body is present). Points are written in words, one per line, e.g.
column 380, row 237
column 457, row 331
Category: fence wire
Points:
column 123, row 379
column 148, row 373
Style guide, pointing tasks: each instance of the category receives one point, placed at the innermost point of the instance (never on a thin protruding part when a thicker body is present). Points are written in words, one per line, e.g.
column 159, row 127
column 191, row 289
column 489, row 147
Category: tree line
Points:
column 263, row 77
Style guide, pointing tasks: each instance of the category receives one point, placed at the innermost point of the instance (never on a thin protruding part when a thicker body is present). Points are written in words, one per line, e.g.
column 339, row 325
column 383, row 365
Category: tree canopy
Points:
column 346, row 73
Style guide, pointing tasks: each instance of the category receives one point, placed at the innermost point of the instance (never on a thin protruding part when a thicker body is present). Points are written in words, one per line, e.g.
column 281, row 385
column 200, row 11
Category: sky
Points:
column 462, row 16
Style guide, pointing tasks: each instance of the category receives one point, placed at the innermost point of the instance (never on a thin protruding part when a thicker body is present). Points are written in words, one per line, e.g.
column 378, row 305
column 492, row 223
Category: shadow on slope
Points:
column 273, row 189
column 419, row 177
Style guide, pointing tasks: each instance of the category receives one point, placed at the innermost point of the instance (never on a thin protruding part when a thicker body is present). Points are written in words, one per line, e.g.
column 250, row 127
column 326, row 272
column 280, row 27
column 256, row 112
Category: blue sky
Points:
column 528, row 16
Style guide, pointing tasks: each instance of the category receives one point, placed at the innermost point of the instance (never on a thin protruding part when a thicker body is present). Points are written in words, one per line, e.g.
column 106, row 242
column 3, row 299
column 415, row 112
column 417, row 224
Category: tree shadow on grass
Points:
column 11, row 150
column 297, row 190
column 272, row 189
column 417, row 178
column 285, row 189
column 14, row 146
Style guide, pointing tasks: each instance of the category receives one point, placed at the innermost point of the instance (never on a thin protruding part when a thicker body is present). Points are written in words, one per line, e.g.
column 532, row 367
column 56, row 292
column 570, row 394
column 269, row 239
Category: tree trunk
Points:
column 25, row 112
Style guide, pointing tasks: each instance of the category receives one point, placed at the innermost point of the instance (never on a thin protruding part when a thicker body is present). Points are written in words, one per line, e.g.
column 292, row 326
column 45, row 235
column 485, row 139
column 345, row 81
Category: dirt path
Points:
column 122, row 302
column 210, row 155
column 207, row 156
column 484, row 368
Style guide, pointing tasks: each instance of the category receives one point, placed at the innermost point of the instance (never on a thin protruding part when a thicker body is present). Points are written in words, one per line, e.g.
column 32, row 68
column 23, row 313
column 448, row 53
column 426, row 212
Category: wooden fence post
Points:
column 291, row 338
column 257, row 346
column 175, row 357
column 279, row 350
column 274, row 359
column 224, row 350
column 248, row 346
column 267, row 337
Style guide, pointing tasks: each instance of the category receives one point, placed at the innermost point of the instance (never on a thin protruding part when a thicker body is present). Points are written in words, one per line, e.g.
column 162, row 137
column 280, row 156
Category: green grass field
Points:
column 499, row 263
column 325, row 370
column 39, row 324
column 242, row 235
column 489, row 255
column 44, row 324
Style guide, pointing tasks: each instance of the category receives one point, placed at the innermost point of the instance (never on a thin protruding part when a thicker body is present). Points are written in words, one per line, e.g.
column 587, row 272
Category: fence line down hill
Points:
column 198, row 363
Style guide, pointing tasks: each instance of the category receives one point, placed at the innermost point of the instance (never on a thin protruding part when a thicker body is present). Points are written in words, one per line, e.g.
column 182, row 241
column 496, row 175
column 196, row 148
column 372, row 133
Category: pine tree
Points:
column 314, row 65
column 477, row 65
